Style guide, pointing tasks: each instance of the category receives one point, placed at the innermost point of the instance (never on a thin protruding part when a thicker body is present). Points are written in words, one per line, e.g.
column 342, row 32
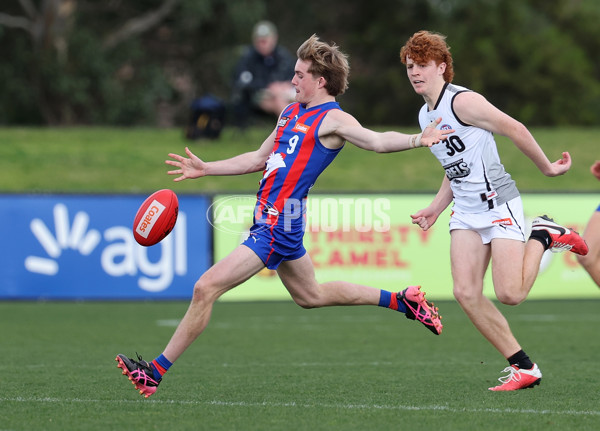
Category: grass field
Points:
column 100, row 160
column 274, row 366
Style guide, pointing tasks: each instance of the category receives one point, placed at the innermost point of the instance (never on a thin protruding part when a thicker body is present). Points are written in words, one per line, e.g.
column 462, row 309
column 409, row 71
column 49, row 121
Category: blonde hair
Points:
column 424, row 46
column 326, row 61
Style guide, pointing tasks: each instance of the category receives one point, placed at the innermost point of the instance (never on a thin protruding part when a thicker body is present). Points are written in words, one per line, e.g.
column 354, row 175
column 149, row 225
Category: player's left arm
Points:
column 349, row 129
column 192, row 166
column 472, row 108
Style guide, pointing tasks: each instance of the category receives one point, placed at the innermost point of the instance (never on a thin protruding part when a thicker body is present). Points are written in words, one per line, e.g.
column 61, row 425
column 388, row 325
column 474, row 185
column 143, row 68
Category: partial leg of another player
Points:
column 591, row 262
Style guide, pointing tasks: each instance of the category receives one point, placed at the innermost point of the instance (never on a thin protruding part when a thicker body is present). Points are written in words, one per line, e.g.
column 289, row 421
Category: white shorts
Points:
column 504, row 221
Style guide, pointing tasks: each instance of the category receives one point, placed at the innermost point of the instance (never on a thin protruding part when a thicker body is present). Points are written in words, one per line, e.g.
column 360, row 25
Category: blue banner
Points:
column 82, row 247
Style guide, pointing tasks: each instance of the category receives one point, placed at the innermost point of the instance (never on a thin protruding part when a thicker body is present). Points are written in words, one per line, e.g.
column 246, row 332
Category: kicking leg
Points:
column 237, row 267
column 241, row 264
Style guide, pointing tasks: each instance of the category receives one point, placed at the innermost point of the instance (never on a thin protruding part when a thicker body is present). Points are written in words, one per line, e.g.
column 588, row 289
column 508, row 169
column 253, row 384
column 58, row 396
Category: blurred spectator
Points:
column 591, row 235
column 263, row 75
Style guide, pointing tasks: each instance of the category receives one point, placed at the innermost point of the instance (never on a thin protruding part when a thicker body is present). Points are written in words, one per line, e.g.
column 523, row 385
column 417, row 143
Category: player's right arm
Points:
column 193, row 167
column 349, row 129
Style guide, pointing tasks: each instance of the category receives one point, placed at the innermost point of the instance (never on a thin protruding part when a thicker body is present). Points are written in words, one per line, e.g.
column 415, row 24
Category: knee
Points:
column 508, row 298
column 308, row 299
column 200, row 290
column 471, row 298
column 466, row 297
column 204, row 290
column 306, row 302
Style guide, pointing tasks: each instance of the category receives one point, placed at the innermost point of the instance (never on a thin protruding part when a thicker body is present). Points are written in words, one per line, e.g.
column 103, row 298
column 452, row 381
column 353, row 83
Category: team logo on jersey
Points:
column 283, row 121
column 445, row 127
column 458, row 169
column 299, row 127
column 274, row 162
column 271, row 211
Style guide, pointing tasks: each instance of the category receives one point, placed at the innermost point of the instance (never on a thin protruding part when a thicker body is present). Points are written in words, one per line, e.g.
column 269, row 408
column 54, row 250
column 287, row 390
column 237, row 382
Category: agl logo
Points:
column 121, row 256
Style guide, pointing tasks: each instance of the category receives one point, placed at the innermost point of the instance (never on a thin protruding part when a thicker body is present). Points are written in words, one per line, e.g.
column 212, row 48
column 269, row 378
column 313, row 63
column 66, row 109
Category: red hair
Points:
column 424, row 46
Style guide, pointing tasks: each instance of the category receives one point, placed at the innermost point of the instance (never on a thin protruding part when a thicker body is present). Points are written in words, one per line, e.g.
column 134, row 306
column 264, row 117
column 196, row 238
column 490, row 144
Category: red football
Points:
column 156, row 217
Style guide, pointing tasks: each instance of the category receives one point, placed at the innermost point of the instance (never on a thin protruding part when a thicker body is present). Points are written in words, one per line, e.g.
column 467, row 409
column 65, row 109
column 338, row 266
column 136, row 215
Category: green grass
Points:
column 98, row 160
column 274, row 366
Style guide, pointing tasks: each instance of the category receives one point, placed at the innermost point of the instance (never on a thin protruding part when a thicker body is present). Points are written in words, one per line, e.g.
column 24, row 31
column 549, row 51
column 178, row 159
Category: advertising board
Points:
column 82, row 247
column 369, row 239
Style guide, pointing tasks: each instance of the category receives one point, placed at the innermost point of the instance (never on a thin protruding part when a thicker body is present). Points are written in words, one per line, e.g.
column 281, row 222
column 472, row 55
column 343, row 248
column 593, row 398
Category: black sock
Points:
column 521, row 360
column 541, row 236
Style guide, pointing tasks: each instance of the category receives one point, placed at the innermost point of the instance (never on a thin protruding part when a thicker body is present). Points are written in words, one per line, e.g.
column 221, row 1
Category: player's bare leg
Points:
column 240, row 265
column 469, row 261
column 591, row 235
column 515, row 267
column 470, row 258
column 298, row 277
column 237, row 267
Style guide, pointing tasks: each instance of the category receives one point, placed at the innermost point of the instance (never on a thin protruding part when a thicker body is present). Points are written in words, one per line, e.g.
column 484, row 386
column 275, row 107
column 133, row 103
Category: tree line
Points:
column 126, row 63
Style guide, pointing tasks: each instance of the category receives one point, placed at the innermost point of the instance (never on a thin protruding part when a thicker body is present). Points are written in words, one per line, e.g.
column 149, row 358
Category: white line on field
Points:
column 310, row 406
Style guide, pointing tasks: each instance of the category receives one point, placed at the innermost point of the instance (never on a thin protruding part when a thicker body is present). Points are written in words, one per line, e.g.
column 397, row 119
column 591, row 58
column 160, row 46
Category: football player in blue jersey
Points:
column 308, row 135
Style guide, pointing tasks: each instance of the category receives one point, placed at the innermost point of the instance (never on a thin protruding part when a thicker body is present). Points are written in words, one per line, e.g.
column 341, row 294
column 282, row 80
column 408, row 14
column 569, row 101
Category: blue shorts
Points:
column 274, row 246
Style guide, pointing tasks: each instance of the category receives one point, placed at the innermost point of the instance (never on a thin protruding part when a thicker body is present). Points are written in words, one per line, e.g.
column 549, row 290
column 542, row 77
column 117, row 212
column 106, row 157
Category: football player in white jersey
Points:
column 487, row 221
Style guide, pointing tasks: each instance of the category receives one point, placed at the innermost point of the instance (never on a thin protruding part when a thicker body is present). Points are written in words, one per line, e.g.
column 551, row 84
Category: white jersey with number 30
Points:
column 470, row 158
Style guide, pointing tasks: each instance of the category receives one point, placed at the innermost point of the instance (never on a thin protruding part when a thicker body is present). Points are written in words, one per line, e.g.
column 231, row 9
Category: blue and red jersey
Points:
column 297, row 160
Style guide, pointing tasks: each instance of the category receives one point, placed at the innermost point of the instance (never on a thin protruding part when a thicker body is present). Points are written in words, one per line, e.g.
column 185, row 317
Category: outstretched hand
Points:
column 187, row 168
column 561, row 166
column 432, row 135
